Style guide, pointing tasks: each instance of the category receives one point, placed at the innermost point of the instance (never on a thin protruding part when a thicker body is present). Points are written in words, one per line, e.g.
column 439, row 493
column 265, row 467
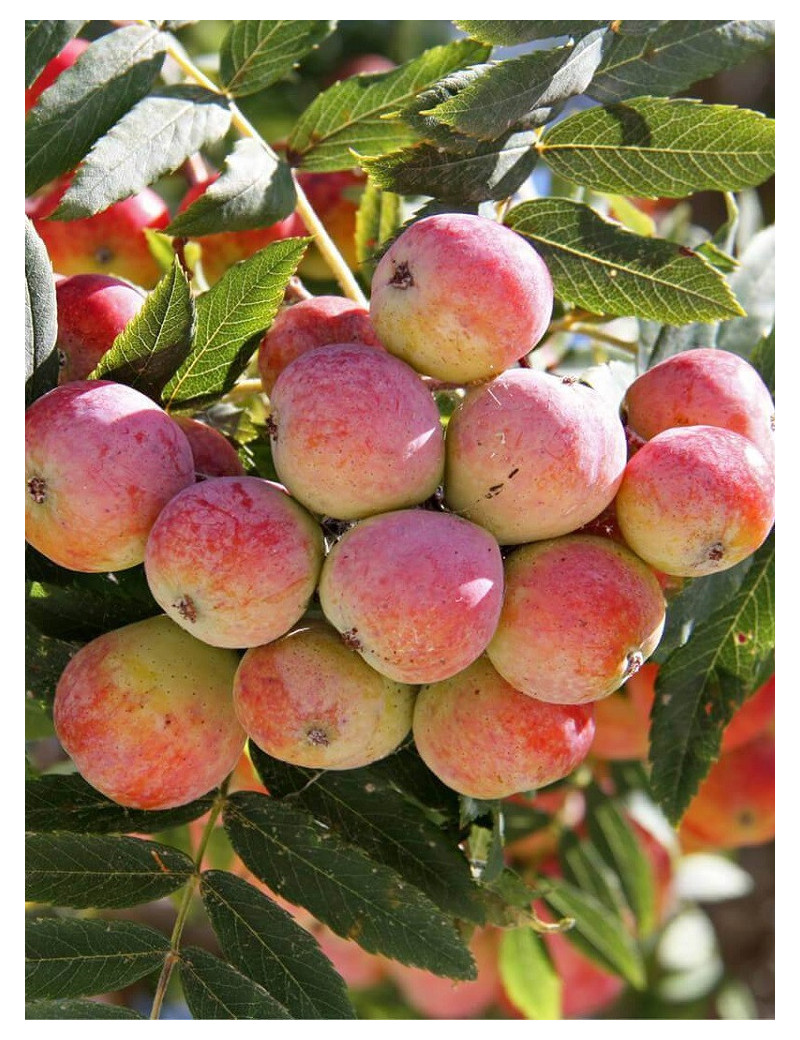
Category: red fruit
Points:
column 622, row 721
column 754, row 717
column 92, row 311
column 214, row 455
column 334, row 197
column 110, row 242
column 67, row 56
column 360, row 64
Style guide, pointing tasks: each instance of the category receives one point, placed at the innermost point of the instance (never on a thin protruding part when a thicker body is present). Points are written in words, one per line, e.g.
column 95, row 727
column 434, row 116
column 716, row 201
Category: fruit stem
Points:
column 173, row 956
column 316, row 228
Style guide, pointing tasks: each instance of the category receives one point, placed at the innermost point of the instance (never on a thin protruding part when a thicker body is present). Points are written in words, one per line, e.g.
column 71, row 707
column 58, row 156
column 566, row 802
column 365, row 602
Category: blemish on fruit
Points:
column 715, row 551
column 37, row 488
column 186, row 608
column 318, row 737
column 103, row 255
column 350, row 638
column 633, row 662
column 402, row 277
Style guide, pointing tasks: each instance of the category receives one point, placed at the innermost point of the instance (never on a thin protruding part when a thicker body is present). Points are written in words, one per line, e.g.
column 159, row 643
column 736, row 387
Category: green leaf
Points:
column 214, row 989
column 583, row 866
column 511, row 33
column 529, row 979
column 670, row 147
column 754, row 285
column 78, row 1009
column 364, row 810
column 239, row 307
column 356, row 896
column 156, row 341
column 256, row 54
column 598, row 932
column 262, row 940
column 493, row 170
column 154, row 138
column 617, row 843
column 254, row 190
column 43, row 41
column 598, row 265
column 701, row 684
column 524, row 92
column 41, row 356
column 353, row 113
column 68, row 803
column 85, row 871
column 76, row 958
column 86, row 100
column 405, row 771
column 45, row 660
column 38, row 720
column 379, row 216
column 763, row 359
column 675, row 55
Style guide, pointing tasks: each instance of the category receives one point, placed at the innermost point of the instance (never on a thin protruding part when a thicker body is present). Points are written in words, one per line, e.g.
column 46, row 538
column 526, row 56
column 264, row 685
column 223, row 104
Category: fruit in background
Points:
column 67, row 56
column 580, row 615
column 622, row 721
column 316, row 322
column 442, row 998
column 532, row 455
column 101, row 462
column 460, row 298
column 111, row 242
column 754, row 717
column 702, row 387
column 485, row 739
column 735, row 804
column 587, row 989
column 335, row 198
column 234, row 560
column 213, row 453
column 355, row 432
column 146, row 714
column 309, row 700
column 92, row 311
column 565, row 803
column 224, row 248
column 360, row 64
column 695, row 500
column 416, row 592
column 359, row 968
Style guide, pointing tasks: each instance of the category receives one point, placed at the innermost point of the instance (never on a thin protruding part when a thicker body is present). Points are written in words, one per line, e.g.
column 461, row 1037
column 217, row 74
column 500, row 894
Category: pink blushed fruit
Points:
column 460, row 297
column 355, row 432
column 310, row 700
column 101, row 462
column 146, row 714
column 315, row 322
column 703, row 387
column 214, row 455
column 93, row 309
column 695, row 500
column 485, row 739
column 234, row 560
column 580, row 615
column 416, row 592
column 531, row 455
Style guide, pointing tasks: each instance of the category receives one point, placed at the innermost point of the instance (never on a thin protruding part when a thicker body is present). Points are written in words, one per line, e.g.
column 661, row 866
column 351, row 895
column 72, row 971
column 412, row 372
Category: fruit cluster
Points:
column 465, row 594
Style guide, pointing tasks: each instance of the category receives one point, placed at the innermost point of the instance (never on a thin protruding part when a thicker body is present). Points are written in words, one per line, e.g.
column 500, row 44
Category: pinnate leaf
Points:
column 379, row 216
column 72, row 957
column 357, row 897
column 41, row 357
column 156, row 341
column 511, row 33
column 88, row 98
column 255, row 54
column 78, row 1009
column 43, row 41
column 214, row 989
column 152, row 139
column 598, row 265
column 754, row 284
column 262, row 940
column 85, row 871
column 671, row 147
column 529, row 979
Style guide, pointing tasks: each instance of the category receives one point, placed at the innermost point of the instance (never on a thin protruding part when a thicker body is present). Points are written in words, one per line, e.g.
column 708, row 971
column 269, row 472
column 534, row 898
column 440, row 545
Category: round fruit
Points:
column 214, row 455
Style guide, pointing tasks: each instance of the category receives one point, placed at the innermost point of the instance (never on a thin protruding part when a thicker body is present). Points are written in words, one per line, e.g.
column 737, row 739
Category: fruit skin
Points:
column 460, row 297
column 530, row 456
column 93, row 309
column 441, row 998
column 754, row 717
column 622, row 721
column 695, row 500
column 111, row 242
column 703, row 387
column 68, row 55
column 101, row 462
column 735, row 804
column 334, row 197
column 355, row 432
column 359, row 968
column 587, row 989
column 146, row 714
column 315, row 322
column 485, row 739
column 309, row 700
column 580, row 615
column 223, row 249
column 234, row 560
column 214, row 455
column 416, row 592
column 360, row 64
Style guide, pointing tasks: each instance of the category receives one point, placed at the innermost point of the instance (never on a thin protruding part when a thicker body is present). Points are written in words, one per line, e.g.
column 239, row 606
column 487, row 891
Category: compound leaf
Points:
column 256, row 54
column 41, row 356
column 530, row 981
column 214, row 989
column 511, row 33
column 43, row 41
column 78, row 1009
